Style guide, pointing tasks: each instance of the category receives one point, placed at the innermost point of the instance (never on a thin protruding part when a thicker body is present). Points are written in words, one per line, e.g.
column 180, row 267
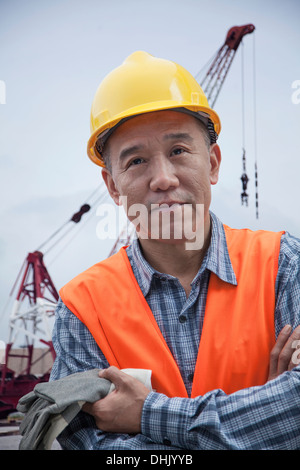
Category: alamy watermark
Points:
column 2, row 92
column 171, row 222
column 296, row 94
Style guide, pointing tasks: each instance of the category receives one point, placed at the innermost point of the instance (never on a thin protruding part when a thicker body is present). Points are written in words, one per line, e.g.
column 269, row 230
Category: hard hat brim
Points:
column 96, row 157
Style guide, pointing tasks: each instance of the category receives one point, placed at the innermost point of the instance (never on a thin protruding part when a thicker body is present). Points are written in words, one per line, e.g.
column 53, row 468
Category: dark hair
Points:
column 205, row 133
column 106, row 157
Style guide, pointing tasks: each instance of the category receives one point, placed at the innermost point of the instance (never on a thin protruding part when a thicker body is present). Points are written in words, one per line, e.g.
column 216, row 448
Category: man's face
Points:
column 160, row 162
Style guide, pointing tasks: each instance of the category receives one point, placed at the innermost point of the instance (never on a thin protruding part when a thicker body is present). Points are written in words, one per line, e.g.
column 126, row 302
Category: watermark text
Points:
column 171, row 222
column 2, row 92
column 296, row 93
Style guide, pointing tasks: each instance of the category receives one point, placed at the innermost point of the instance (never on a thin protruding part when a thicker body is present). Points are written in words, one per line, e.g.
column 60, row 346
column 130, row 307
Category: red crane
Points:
column 38, row 290
column 34, row 305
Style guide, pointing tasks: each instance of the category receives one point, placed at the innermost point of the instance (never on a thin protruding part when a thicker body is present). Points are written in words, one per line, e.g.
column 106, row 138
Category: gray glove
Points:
column 51, row 406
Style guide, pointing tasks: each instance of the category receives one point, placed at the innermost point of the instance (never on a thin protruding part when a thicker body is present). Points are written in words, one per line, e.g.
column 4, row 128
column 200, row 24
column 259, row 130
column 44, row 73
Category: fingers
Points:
column 88, row 408
column 282, row 354
column 277, row 349
column 286, row 356
column 121, row 410
column 113, row 374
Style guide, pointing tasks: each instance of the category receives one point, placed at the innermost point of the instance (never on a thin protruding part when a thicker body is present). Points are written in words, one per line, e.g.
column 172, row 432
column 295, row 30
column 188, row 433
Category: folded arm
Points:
column 259, row 417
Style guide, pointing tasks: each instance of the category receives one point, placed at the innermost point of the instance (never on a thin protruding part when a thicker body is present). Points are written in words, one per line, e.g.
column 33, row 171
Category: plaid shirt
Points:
column 265, row 417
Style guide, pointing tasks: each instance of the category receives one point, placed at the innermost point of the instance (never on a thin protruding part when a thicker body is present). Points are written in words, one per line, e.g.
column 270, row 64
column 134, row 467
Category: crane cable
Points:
column 254, row 126
column 244, row 177
column 203, row 72
column 62, row 226
column 243, row 95
column 75, row 219
column 100, row 198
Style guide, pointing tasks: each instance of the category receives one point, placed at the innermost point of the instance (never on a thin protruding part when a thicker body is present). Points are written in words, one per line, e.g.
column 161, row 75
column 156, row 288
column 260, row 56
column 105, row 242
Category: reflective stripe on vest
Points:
column 238, row 331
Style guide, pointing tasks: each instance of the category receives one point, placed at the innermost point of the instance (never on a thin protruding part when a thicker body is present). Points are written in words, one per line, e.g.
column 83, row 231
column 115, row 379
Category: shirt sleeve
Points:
column 257, row 418
column 287, row 308
column 76, row 351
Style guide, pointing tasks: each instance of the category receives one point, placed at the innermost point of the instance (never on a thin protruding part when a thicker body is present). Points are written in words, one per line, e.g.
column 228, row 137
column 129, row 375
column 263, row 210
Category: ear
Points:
column 215, row 162
column 110, row 184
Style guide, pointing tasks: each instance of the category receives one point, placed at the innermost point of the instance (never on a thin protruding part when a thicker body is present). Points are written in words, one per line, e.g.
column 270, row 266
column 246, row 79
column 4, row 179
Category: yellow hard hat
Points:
column 144, row 84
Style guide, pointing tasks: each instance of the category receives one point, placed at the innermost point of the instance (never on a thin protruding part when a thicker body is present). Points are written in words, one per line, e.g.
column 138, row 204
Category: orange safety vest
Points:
column 238, row 331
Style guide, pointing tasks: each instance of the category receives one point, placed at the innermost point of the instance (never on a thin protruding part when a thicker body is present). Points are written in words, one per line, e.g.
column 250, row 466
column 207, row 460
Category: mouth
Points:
column 166, row 205
column 168, row 202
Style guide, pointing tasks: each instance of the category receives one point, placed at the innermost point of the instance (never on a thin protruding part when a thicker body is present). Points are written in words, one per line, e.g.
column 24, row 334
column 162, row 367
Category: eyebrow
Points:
column 178, row 136
column 129, row 150
column 126, row 152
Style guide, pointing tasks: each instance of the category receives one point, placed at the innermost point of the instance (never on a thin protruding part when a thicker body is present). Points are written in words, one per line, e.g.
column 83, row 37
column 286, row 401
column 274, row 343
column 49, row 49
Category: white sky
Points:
column 53, row 55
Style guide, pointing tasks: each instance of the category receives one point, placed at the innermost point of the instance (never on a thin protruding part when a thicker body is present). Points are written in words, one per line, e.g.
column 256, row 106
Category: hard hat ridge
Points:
column 143, row 84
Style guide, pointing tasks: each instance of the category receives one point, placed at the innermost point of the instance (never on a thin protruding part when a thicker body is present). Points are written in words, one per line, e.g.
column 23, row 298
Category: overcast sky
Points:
column 53, row 55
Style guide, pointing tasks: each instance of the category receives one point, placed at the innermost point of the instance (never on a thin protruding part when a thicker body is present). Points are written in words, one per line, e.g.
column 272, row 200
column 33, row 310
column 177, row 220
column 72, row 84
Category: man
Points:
column 200, row 307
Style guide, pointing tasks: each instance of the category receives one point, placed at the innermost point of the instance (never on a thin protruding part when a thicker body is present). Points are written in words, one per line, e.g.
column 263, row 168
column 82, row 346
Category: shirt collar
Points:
column 216, row 260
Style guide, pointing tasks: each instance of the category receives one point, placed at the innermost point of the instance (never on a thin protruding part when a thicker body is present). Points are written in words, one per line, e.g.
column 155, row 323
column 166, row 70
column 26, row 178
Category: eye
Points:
column 136, row 161
column 177, row 151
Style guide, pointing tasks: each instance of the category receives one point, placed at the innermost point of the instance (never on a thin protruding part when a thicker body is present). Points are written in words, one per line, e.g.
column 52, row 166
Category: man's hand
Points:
column 121, row 410
column 281, row 357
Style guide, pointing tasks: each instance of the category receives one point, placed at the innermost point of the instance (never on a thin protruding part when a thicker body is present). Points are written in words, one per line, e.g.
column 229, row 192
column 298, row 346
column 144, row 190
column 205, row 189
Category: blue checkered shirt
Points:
column 266, row 417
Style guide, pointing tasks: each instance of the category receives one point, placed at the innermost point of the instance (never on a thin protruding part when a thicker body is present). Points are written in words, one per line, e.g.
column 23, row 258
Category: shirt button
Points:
column 167, row 442
column 190, row 377
column 182, row 318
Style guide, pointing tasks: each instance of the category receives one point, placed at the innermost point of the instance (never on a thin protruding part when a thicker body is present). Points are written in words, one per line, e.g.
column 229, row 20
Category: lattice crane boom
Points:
column 217, row 72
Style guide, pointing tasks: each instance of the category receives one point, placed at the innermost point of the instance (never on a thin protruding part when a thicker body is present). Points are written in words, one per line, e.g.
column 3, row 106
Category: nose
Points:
column 163, row 176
